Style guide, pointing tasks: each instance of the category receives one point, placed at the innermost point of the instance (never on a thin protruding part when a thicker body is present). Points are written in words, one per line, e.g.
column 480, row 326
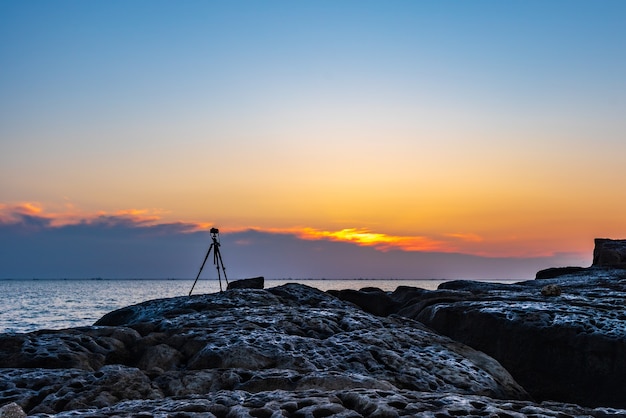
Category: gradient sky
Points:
column 487, row 128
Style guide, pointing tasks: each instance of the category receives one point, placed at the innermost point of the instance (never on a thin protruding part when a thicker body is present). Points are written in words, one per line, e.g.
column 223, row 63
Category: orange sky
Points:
column 474, row 129
column 494, row 245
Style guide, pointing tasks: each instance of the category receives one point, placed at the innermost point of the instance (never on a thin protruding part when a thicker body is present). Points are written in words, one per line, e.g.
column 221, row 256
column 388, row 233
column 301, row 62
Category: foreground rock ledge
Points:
column 290, row 338
column 290, row 351
column 352, row 403
column 562, row 339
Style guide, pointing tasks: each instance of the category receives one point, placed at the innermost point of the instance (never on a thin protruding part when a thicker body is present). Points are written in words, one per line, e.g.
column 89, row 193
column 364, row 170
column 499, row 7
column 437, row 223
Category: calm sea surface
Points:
column 29, row 305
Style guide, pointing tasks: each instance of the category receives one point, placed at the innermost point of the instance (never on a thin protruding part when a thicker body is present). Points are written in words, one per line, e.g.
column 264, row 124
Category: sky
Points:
column 414, row 139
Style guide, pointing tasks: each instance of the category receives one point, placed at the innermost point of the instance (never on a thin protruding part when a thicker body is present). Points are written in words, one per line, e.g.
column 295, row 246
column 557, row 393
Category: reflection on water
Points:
column 28, row 305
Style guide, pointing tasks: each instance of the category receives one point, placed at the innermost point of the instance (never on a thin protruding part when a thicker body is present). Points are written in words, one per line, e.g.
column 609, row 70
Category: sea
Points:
column 32, row 304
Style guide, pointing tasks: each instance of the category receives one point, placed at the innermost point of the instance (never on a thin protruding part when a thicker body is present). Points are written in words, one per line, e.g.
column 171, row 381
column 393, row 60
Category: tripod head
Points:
column 215, row 235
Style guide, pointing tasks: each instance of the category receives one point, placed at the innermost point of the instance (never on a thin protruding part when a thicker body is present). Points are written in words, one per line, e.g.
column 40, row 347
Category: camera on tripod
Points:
column 217, row 259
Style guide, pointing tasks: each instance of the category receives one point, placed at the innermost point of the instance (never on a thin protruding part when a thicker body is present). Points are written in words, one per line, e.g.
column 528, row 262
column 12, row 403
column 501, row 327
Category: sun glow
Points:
column 380, row 241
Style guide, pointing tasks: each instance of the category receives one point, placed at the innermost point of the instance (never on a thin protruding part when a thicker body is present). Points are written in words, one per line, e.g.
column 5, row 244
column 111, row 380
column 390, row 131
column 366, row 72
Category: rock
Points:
column 374, row 301
column 292, row 338
column 551, row 290
column 609, row 253
column 12, row 410
column 295, row 351
column 253, row 283
column 48, row 391
column 569, row 349
column 344, row 403
column 81, row 348
column 553, row 272
column 162, row 357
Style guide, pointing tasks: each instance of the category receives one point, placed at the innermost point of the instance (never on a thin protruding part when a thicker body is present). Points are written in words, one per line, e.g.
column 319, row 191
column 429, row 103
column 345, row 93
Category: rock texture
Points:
column 291, row 338
column 12, row 410
column 344, row 403
column 290, row 351
column 562, row 339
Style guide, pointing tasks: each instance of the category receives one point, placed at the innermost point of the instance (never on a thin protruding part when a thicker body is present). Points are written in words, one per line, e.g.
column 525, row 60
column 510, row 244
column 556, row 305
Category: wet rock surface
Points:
column 290, row 351
column 562, row 339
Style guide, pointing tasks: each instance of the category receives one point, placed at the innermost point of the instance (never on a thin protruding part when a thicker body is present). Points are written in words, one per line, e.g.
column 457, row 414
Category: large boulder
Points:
column 252, row 283
column 567, row 345
column 562, row 339
column 372, row 300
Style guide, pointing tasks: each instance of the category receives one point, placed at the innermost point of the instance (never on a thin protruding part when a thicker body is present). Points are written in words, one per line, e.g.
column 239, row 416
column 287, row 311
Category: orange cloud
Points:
column 26, row 208
column 11, row 213
column 452, row 242
column 380, row 241
column 138, row 216
column 29, row 208
column 70, row 215
column 467, row 237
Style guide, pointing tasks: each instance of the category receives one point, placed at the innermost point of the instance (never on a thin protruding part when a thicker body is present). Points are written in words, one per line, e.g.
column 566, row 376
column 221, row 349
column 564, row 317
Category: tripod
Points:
column 217, row 259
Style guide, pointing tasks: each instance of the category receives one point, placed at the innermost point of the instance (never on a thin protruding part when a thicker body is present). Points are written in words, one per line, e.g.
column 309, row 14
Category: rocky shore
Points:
column 561, row 339
column 544, row 348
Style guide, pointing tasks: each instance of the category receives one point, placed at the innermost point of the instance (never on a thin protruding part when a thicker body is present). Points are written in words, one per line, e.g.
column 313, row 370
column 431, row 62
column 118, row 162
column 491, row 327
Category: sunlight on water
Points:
column 29, row 305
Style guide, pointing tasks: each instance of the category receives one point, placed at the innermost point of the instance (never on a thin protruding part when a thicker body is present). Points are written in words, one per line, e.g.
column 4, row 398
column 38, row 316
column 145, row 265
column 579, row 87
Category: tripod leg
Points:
column 201, row 267
column 217, row 254
column 217, row 267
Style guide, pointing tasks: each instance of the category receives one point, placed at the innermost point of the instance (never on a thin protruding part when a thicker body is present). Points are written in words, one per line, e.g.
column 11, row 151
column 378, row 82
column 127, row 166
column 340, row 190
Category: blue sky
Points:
column 492, row 129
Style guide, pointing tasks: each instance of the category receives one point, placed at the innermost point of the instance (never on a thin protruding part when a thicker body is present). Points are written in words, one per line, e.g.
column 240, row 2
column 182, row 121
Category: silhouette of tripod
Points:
column 217, row 259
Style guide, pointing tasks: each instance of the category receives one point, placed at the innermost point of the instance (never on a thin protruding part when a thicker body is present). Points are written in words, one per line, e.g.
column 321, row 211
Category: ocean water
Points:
column 29, row 305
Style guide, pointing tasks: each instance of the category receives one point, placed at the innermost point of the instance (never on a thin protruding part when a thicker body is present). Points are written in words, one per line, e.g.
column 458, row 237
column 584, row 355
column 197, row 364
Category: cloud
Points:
column 32, row 212
column 137, row 244
column 12, row 214
column 467, row 237
column 380, row 241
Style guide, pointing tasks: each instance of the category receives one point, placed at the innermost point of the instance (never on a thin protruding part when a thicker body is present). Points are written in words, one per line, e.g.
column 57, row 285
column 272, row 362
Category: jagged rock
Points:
column 289, row 338
column 609, row 253
column 569, row 348
column 253, row 283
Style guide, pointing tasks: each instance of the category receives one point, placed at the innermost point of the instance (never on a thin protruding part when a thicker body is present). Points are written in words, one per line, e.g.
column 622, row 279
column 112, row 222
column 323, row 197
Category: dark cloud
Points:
column 281, row 255
column 117, row 247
